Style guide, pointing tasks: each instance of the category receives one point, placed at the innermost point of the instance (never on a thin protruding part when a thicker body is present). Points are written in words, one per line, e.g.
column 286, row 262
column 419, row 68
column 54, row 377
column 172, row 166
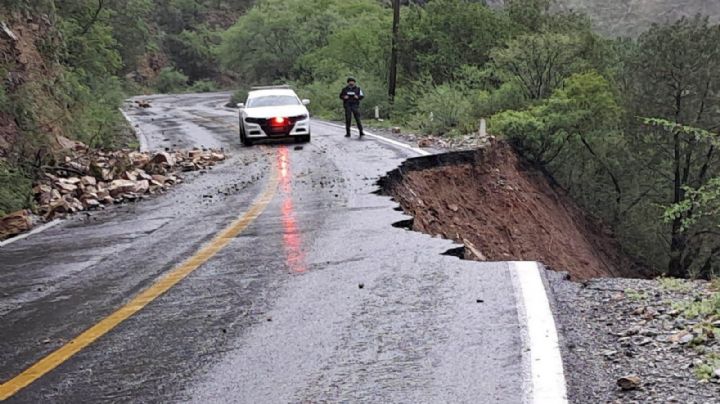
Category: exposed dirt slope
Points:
column 28, row 76
column 506, row 210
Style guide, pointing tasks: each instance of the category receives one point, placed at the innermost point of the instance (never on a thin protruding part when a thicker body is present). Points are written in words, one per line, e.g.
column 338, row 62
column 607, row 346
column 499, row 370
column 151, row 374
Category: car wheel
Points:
column 245, row 141
column 304, row 139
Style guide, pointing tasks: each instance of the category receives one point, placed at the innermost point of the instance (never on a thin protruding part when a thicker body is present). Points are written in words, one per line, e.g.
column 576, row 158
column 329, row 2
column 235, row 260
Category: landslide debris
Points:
column 501, row 208
column 83, row 178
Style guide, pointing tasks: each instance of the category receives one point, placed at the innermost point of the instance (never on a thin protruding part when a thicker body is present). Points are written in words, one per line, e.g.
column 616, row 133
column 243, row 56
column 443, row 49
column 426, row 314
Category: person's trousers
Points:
column 350, row 111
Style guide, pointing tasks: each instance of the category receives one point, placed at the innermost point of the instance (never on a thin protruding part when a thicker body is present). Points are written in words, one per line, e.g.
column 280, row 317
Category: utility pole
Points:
column 392, row 79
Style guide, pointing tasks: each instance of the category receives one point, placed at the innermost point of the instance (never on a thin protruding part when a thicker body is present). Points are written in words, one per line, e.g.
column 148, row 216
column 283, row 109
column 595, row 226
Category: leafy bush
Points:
column 192, row 52
column 171, row 81
column 280, row 56
column 444, row 110
column 239, row 96
column 203, row 86
column 15, row 189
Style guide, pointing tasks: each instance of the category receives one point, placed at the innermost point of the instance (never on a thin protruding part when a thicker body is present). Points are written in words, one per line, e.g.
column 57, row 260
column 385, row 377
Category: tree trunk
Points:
column 677, row 238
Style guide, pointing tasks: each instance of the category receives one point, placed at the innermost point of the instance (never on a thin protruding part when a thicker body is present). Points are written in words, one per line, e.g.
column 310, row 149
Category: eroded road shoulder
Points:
column 318, row 299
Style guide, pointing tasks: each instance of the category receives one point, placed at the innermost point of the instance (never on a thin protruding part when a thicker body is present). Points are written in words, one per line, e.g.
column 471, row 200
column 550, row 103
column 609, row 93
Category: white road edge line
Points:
column 546, row 382
column 36, row 230
column 381, row 138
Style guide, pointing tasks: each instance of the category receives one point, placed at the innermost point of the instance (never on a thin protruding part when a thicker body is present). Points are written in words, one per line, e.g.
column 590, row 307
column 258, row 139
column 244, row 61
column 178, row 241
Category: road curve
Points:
column 318, row 299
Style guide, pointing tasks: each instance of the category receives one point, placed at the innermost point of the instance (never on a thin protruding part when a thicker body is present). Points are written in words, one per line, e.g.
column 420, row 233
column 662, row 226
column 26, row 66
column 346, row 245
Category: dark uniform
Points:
column 351, row 96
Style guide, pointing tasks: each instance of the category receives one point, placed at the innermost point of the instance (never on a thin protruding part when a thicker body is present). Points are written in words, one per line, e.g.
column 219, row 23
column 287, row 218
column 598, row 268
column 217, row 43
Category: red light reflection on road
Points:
column 292, row 239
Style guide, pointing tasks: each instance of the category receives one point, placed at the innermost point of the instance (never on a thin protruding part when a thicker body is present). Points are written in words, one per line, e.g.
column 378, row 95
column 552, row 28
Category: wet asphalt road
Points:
column 278, row 315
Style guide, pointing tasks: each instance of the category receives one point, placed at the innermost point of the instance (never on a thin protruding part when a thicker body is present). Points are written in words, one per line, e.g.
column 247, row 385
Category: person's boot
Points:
column 347, row 134
column 362, row 134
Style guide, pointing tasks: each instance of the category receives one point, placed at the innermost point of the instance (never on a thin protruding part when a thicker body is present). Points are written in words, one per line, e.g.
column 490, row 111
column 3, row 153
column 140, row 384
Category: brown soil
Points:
column 504, row 209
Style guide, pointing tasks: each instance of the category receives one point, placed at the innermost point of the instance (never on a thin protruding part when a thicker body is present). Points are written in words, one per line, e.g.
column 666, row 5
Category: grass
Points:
column 674, row 284
column 701, row 308
column 635, row 295
column 706, row 369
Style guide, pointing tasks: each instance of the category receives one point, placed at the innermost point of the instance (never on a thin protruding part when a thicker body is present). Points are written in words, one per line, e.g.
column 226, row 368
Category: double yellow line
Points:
column 162, row 285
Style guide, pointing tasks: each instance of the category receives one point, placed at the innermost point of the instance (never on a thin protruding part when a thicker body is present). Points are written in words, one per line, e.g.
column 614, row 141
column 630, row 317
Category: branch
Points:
column 94, row 19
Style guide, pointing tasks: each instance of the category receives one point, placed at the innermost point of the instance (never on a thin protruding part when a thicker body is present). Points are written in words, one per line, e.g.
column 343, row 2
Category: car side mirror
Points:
column 240, row 105
column 306, row 102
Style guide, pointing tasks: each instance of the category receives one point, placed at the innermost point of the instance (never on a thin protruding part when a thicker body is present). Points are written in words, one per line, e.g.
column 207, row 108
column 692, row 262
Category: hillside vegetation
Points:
column 632, row 17
column 68, row 64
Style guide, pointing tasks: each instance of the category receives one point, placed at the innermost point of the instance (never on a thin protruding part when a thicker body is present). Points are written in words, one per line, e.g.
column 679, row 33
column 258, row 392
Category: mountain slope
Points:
column 631, row 17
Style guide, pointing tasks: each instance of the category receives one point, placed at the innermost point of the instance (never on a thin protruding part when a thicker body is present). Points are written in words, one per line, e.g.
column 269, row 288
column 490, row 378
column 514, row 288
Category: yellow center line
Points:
column 162, row 285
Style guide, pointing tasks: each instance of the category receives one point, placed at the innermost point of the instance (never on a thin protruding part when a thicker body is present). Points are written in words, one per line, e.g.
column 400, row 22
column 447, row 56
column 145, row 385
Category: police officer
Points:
column 351, row 96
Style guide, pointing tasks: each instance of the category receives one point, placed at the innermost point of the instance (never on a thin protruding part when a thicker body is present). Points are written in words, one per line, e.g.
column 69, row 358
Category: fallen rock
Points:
column 683, row 337
column 15, row 223
column 630, row 382
column 65, row 186
column 141, row 187
column 69, row 144
column 88, row 180
column 139, row 159
column 118, row 187
column 160, row 179
column 42, row 189
column 425, row 143
column 90, row 203
column 130, row 175
column 163, row 158
column 216, row 156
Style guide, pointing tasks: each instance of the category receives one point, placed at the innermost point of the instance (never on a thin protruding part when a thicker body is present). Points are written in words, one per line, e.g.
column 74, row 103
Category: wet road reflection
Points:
column 292, row 238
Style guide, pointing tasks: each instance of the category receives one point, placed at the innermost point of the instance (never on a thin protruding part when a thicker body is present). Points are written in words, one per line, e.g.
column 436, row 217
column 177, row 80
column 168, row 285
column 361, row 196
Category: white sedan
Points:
column 274, row 112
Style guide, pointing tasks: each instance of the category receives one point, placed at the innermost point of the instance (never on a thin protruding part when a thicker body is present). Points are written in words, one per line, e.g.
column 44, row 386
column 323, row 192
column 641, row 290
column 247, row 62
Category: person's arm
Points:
column 343, row 96
column 360, row 94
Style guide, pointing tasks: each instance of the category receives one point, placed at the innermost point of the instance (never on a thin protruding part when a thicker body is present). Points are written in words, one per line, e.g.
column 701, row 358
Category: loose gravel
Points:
column 619, row 329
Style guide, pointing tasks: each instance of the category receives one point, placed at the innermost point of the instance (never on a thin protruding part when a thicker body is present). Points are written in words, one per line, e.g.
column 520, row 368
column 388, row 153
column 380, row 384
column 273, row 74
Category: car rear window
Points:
column 273, row 101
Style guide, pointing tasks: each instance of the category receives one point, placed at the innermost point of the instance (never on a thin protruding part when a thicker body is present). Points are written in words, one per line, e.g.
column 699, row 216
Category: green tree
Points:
column 674, row 78
column 538, row 63
column 529, row 15
column 440, row 37
column 129, row 20
column 574, row 133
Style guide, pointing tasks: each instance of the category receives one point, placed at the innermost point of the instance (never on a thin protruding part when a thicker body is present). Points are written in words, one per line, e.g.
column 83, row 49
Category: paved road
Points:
column 276, row 316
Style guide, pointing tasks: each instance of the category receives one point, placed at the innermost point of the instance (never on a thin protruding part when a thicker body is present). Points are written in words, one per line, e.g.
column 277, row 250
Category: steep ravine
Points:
column 502, row 209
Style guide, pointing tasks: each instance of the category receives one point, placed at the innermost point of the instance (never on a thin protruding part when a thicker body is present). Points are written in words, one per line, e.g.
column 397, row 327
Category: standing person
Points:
column 351, row 96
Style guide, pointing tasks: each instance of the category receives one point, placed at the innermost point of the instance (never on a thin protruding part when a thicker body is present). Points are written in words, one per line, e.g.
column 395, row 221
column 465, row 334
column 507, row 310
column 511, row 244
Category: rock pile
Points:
column 88, row 179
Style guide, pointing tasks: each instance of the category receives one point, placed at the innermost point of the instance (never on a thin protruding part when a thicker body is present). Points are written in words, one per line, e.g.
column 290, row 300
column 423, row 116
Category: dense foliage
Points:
column 78, row 59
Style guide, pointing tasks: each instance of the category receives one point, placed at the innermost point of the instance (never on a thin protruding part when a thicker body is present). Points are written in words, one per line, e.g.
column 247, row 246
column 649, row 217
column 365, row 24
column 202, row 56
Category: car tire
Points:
column 243, row 139
column 304, row 139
